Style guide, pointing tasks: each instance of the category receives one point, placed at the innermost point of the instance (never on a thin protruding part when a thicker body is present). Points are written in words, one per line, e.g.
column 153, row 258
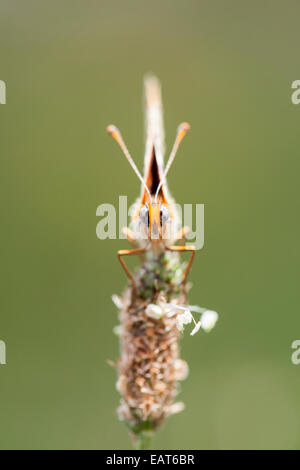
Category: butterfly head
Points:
column 155, row 218
column 155, row 212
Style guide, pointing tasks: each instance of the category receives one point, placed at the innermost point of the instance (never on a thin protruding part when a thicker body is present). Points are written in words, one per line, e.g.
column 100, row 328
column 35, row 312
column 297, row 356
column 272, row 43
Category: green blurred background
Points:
column 71, row 68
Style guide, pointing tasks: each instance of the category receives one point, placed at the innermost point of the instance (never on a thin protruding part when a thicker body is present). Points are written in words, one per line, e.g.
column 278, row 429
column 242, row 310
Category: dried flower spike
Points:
column 153, row 310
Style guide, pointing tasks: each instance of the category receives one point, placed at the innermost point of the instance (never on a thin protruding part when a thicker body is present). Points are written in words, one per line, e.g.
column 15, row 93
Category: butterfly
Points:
column 155, row 218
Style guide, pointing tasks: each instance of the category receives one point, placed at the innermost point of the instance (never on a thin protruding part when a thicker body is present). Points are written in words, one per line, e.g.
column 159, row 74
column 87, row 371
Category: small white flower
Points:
column 183, row 315
column 121, row 384
column 195, row 308
column 197, row 328
column 176, row 408
column 117, row 301
column 208, row 320
column 173, row 309
column 154, row 311
column 181, row 369
column 117, row 330
column 179, row 324
column 183, row 319
column 186, row 317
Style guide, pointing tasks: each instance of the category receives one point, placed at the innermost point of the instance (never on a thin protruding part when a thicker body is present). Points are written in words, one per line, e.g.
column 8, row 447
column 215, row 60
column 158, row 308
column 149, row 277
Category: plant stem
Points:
column 143, row 440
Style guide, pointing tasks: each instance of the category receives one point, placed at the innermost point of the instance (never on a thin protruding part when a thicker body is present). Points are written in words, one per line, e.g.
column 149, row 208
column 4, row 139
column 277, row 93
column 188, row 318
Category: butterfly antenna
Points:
column 116, row 134
column 183, row 128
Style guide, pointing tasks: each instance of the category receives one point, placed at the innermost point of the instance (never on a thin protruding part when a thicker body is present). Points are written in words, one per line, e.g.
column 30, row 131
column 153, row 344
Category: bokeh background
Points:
column 71, row 68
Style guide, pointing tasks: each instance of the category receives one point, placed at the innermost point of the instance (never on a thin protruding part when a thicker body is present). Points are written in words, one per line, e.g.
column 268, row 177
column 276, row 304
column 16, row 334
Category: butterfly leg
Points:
column 130, row 235
column 122, row 253
column 180, row 249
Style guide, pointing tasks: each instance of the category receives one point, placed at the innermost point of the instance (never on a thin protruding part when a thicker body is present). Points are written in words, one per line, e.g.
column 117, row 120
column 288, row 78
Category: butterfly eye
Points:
column 144, row 215
column 164, row 214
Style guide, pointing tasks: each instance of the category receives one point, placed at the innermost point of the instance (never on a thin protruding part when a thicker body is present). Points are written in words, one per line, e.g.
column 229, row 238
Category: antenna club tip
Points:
column 183, row 128
column 111, row 129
